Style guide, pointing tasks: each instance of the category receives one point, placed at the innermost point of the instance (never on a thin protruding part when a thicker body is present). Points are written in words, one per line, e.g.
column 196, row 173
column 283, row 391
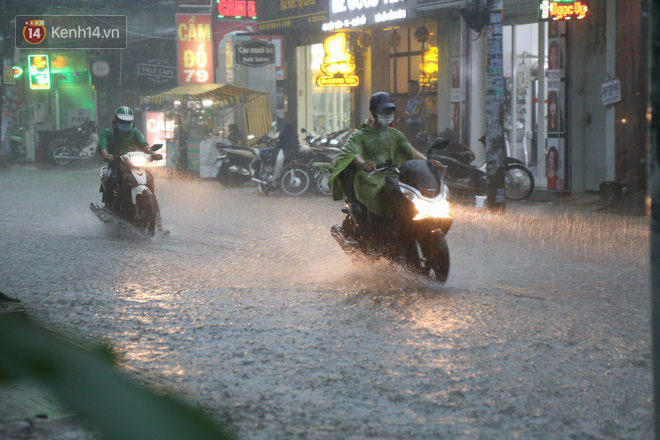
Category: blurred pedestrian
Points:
column 235, row 136
column 414, row 112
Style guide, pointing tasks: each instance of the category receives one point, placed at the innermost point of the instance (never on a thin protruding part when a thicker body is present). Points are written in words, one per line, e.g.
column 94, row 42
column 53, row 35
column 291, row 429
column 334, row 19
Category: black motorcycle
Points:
column 64, row 147
column 463, row 178
column 282, row 166
column 414, row 233
column 233, row 162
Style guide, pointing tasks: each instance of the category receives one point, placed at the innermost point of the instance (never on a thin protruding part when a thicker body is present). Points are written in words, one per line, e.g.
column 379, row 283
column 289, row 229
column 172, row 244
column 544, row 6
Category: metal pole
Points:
column 513, row 113
column 495, row 151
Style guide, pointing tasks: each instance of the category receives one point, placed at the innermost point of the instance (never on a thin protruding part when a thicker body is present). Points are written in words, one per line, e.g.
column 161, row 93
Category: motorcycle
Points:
column 464, row 178
column 281, row 166
column 322, row 150
column 415, row 235
column 66, row 146
column 134, row 202
column 233, row 162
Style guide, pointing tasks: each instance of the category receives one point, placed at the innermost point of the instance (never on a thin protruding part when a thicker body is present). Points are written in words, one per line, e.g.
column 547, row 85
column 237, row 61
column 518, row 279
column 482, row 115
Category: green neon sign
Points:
column 39, row 70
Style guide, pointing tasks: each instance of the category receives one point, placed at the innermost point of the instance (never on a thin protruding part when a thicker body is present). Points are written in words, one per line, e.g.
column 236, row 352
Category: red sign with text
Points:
column 195, row 47
column 158, row 129
column 237, row 9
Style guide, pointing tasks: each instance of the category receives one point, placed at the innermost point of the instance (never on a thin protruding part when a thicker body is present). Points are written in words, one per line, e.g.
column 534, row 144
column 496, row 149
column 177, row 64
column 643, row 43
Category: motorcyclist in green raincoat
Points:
column 372, row 143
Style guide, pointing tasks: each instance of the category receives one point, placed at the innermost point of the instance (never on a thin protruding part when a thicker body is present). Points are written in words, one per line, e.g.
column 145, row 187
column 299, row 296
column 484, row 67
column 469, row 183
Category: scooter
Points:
column 282, row 166
column 415, row 234
column 70, row 145
column 134, row 203
column 233, row 162
column 464, row 178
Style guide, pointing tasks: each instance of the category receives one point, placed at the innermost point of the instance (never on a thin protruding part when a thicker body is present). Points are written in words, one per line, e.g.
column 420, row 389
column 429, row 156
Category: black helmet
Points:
column 381, row 101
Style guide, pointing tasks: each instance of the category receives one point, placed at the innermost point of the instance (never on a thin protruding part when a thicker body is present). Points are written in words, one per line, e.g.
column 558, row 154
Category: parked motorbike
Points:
column 322, row 150
column 415, row 235
column 64, row 147
column 282, row 166
column 134, row 202
column 233, row 162
column 462, row 177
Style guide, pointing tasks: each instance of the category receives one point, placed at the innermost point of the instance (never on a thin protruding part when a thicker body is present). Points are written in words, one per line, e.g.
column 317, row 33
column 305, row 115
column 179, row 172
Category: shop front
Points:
column 386, row 47
column 195, row 114
column 55, row 92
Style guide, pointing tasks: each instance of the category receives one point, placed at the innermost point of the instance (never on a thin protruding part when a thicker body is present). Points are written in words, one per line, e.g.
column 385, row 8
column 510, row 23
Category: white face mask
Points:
column 385, row 120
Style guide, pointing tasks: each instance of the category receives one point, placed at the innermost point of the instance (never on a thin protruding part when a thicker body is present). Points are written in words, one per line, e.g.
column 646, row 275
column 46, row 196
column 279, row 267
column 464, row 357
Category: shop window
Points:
column 322, row 110
column 414, row 56
column 546, row 152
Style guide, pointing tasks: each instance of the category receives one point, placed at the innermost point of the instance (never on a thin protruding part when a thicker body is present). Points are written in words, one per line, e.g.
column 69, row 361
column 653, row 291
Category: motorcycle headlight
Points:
column 439, row 209
column 138, row 161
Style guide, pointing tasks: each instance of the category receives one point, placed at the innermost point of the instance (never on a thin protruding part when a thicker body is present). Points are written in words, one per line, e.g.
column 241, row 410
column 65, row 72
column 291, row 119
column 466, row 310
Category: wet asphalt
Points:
column 250, row 310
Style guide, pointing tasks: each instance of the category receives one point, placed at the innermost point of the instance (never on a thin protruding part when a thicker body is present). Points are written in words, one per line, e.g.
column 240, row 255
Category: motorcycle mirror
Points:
column 439, row 144
column 156, row 147
column 250, row 137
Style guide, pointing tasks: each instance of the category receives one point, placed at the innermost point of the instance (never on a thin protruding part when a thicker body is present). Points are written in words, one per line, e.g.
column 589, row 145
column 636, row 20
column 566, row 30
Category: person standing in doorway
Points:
column 414, row 112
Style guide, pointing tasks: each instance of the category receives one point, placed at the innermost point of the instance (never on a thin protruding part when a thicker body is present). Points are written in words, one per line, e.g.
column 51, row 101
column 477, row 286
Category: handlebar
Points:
column 382, row 167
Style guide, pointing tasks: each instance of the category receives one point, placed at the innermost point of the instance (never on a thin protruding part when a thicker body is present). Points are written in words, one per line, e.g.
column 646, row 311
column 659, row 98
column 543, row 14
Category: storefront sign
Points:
column 158, row 129
column 237, row 9
column 337, row 64
column 100, row 68
column 156, row 70
column 611, row 92
column 346, row 14
column 195, row 48
column 79, row 116
column 429, row 68
column 562, row 10
column 255, row 53
column 39, row 69
column 8, row 75
column 291, row 15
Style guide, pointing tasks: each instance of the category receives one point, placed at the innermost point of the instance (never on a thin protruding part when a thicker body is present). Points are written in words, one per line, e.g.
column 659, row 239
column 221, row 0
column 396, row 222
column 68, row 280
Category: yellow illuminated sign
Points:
column 429, row 67
column 562, row 10
column 39, row 71
column 337, row 64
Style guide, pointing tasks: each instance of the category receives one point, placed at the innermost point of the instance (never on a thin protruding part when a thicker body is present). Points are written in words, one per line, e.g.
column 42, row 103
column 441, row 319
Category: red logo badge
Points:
column 34, row 31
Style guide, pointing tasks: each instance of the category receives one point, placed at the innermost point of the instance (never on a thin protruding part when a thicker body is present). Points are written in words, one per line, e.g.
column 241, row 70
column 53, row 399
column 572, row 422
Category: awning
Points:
column 218, row 92
column 257, row 114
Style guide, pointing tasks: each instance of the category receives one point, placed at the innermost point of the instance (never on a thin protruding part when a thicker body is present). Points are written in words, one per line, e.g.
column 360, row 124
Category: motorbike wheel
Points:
column 321, row 179
column 518, row 182
column 62, row 151
column 295, row 181
column 145, row 214
column 437, row 257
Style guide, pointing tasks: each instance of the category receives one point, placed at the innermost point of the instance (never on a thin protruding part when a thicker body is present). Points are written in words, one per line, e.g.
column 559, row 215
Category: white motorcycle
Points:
column 133, row 198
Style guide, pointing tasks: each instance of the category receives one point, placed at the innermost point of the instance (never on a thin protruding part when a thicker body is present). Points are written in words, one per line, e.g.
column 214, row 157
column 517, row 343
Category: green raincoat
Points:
column 372, row 146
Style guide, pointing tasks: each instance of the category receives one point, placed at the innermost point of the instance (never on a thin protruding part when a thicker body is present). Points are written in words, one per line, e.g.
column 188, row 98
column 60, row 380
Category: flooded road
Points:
column 250, row 309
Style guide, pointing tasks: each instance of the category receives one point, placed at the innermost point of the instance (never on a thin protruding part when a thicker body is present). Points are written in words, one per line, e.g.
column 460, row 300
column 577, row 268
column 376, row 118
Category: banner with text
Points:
column 195, row 48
